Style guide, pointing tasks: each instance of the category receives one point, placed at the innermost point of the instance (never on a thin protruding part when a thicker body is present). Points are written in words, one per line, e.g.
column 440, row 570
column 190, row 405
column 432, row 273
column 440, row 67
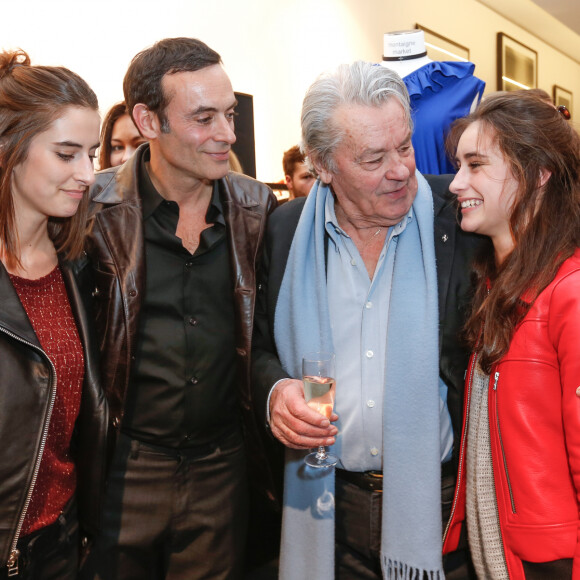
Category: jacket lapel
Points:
column 243, row 224
column 445, row 232
column 13, row 317
column 78, row 295
column 120, row 226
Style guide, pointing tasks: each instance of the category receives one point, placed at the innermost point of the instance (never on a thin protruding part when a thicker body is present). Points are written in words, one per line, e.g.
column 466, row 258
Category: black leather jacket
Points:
column 27, row 387
column 116, row 247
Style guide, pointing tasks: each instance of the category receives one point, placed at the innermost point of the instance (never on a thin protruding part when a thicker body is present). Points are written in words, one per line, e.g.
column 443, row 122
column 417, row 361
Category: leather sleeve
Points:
column 564, row 331
column 90, row 442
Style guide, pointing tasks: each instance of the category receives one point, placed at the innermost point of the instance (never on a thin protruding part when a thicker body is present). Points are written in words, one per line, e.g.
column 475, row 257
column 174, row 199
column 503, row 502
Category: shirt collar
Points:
column 151, row 199
column 334, row 230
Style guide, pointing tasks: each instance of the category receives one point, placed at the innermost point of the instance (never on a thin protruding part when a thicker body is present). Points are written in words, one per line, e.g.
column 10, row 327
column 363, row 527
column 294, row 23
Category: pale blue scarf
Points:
column 411, row 527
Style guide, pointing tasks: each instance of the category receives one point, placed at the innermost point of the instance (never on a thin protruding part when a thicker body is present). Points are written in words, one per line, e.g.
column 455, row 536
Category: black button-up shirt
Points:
column 182, row 391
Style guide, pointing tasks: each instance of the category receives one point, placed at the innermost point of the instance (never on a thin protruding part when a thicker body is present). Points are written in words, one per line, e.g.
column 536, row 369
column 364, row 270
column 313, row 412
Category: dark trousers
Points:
column 51, row 553
column 358, row 533
column 174, row 515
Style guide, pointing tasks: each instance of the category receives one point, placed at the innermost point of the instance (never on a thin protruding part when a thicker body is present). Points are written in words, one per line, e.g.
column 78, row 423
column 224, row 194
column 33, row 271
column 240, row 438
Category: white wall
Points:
column 271, row 49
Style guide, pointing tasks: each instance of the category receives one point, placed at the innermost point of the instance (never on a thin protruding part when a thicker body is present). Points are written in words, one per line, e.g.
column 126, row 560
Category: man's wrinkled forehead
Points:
column 201, row 83
column 354, row 126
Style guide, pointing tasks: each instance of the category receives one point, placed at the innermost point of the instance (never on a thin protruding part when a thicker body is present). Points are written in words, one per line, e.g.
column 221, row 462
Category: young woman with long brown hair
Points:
column 53, row 415
column 518, row 182
column 119, row 137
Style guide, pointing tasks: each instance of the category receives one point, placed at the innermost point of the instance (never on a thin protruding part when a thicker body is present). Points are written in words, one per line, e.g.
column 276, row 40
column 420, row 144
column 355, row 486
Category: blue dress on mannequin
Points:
column 440, row 93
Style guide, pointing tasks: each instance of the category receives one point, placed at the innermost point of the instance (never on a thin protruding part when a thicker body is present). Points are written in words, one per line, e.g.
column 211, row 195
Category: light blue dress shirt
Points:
column 359, row 314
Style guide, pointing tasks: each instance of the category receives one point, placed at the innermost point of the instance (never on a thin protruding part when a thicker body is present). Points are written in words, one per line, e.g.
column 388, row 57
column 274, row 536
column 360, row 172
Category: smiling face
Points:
column 124, row 140
column 374, row 181
column 485, row 187
column 200, row 115
column 58, row 168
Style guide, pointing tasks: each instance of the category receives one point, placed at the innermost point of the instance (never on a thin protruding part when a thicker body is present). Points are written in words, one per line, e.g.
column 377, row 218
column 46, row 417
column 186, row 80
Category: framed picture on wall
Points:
column 517, row 64
column 562, row 96
column 441, row 48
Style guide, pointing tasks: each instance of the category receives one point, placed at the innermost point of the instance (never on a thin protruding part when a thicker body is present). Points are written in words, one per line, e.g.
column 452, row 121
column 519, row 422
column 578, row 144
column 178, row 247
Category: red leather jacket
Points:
column 534, row 422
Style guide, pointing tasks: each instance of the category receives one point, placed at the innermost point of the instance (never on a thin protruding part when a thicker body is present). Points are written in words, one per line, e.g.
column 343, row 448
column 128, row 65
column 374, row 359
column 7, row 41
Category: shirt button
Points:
column 189, row 263
column 370, row 403
column 353, row 262
column 193, row 321
column 369, row 354
column 374, row 451
column 194, row 380
column 368, row 305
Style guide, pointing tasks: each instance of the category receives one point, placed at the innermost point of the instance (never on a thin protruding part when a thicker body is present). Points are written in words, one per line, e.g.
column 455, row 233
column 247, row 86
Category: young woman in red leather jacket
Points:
column 518, row 183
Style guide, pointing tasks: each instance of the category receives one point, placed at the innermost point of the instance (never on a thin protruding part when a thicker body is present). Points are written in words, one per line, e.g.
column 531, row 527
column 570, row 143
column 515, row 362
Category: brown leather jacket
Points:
column 116, row 247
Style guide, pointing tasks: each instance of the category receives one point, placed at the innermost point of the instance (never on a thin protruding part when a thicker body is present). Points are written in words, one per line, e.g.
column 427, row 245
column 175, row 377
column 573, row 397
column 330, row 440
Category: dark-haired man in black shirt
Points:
column 174, row 244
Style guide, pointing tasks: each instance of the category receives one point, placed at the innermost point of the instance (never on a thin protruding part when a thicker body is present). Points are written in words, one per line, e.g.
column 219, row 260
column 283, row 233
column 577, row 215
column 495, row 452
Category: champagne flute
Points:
column 318, row 375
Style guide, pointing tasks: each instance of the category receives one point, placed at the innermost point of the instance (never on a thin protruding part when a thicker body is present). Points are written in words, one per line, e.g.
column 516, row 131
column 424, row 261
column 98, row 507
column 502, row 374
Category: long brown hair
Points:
column 544, row 221
column 31, row 99
column 113, row 115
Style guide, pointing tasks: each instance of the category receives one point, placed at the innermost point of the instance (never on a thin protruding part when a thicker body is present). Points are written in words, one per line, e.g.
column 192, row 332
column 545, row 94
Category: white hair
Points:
column 361, row 83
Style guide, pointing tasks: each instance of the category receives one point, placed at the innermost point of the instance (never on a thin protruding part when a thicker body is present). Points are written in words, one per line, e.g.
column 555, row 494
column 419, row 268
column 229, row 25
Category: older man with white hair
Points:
column 373, row 267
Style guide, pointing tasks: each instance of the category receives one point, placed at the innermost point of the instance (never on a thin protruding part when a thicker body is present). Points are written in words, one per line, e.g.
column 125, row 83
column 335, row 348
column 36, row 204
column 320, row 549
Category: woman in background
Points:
column 119, row 137
column 53, row 415
column 518, row 182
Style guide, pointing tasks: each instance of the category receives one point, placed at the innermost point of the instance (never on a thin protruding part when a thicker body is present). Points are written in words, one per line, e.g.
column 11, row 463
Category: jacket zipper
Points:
column 12, row 563
column 495, row 380
column 462, row 450
column 507, row 475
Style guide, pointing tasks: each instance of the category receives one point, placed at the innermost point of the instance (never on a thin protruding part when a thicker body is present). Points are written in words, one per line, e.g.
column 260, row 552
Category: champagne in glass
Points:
column 319, row 393
column 318, row 375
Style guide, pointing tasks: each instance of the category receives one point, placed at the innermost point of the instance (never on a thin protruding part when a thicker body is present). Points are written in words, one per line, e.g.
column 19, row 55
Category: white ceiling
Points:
column 566, row 11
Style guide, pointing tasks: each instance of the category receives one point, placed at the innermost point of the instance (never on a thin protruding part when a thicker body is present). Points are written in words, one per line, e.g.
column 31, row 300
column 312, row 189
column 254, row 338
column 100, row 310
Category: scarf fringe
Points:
column 401, row 571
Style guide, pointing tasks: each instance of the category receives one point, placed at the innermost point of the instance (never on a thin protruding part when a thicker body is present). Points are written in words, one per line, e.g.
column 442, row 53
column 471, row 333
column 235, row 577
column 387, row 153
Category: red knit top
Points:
column 47, row 306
